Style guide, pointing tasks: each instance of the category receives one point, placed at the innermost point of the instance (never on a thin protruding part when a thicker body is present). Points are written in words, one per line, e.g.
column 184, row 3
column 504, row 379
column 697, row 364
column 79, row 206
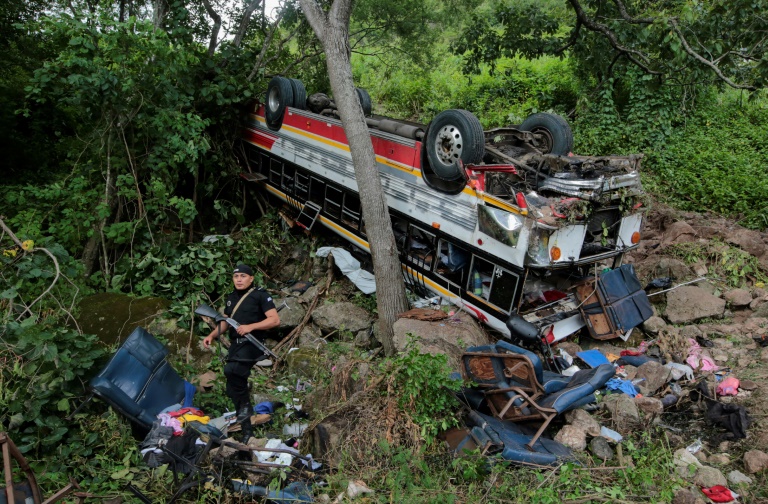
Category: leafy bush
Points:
column 197, row 273
column 732, row 265
column 43, row 369
column 426, row 390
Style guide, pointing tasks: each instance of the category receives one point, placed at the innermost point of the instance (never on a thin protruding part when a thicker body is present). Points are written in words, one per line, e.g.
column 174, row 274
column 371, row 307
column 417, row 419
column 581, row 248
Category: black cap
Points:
column 242, row 268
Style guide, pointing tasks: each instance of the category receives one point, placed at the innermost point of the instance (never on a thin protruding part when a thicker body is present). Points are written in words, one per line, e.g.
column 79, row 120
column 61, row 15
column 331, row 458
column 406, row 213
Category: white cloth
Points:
column 351, row 268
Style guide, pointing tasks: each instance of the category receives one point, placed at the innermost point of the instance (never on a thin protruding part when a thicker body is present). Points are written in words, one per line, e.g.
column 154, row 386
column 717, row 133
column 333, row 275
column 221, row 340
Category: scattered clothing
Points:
column 619, row 385
column 719, row 493
column 729, row 386
column 679, row 371
column 732, row 417
column 698, row 358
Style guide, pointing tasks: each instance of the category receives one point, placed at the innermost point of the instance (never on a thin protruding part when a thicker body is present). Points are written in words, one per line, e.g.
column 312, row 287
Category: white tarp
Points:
column 351, row 268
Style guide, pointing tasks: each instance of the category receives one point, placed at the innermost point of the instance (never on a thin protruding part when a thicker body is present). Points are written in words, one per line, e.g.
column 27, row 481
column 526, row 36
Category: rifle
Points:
column 207, row 311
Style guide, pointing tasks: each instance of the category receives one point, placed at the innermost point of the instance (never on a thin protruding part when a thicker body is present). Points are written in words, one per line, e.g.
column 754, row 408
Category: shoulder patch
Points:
column 229, row 303
column 269, row 298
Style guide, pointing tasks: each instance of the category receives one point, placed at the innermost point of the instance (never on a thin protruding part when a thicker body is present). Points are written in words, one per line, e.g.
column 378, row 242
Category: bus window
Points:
column 275, row 171
column 452, row 261
column 481, row 277
column 302, row 186
column 333, row 201
column 421, row 246
column 264, row 164
column 316, row 191
column 503, row 288
column 400, row 229
column 254, row 159
column 350, row 214
column 289, row 172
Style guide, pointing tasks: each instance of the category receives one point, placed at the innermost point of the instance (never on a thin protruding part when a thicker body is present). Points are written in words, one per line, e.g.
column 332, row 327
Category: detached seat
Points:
column 513, row 390
column 138, row 381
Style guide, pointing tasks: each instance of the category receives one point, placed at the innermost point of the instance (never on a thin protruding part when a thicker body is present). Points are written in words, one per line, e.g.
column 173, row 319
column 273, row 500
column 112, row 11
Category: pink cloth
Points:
column 699, row 358
column 729, row 386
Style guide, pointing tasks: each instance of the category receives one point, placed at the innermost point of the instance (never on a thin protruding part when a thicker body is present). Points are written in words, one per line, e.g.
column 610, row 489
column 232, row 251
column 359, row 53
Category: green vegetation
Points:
column 731, row 265
column 118, row 130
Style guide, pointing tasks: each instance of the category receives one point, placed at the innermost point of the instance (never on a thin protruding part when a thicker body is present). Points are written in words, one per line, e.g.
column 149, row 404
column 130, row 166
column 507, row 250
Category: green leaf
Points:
column 121, row 474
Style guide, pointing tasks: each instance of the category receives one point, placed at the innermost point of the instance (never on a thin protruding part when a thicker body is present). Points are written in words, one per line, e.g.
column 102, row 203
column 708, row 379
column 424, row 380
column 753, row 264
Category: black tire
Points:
column 454, row 135
column 279, row 97
column 365, row 101
column 554, row 133
column 299, row 94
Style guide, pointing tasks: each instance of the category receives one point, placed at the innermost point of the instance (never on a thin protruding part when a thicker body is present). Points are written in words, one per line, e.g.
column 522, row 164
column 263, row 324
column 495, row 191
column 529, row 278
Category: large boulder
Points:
column 292, row 313
column 738, row 297
column 345, row 316
column 624, row 412
column 755, row 461
column 752, row 242
column 689, row 303
column 573, row 437
column 678, row 232
column 655, row 267
column 654, row 376
column 449, row 336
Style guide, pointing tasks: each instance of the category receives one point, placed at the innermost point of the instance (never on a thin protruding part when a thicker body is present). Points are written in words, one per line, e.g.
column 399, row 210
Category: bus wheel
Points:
column 554, row 135
column 454, row 135
column 279, row 96
column 299, row 94
column 365, row 101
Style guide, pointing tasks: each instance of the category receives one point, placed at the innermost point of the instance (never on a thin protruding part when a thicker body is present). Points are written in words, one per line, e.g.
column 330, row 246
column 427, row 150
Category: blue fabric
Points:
column 593, row 358
column 514, row 437
column 138, row 382
column 189, row 394
column 619, row 385
column 264, row 408
column 582, row 384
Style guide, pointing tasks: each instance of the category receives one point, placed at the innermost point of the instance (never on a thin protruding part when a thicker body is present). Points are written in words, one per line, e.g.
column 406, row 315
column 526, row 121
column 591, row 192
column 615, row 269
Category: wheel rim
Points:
column 546, row 143
column 273, row 100
column 449, row 144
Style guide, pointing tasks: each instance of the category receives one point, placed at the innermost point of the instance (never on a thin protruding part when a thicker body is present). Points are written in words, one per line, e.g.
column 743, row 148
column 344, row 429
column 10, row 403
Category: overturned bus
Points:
column 506, row 223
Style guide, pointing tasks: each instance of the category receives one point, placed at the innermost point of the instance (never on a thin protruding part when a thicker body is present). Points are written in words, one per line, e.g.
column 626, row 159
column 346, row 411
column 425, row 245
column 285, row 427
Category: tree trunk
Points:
column 333, row 32
column 91, row 249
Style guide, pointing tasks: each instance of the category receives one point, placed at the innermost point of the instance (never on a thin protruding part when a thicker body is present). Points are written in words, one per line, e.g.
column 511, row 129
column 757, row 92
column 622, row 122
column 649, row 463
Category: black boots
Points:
column 244, row 419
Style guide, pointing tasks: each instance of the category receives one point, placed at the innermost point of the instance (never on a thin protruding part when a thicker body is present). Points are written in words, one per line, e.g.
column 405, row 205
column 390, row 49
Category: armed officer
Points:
column 252, row 307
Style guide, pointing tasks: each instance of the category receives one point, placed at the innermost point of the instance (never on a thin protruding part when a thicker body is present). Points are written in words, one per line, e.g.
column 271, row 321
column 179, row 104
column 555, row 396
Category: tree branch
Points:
column 315, row 16
column 572, row 38
column 632, row 54
column 704, row 61
column 245, row 22
column 267, row 43
column 216, row 26
column 28, row 308
column 627, row 17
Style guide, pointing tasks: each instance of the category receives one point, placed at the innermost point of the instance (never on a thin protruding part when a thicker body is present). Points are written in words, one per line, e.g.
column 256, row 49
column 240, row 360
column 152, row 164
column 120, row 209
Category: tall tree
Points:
column 721, row 41
column 332, row 29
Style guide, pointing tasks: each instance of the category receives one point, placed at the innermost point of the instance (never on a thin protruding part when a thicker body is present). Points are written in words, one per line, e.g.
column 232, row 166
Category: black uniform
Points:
column 243, row 354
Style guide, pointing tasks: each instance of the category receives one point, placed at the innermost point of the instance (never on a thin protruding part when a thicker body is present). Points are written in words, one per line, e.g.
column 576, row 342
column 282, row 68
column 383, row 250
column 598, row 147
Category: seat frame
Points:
column 512, row 390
